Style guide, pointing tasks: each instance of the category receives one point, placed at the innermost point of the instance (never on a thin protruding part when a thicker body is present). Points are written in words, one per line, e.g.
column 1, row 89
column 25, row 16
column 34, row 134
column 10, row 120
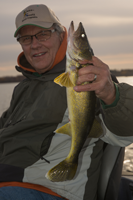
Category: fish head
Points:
column 78, row 46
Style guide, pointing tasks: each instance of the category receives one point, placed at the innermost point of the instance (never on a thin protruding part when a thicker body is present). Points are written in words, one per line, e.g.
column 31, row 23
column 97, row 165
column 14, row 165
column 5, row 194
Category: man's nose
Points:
column 35, row 42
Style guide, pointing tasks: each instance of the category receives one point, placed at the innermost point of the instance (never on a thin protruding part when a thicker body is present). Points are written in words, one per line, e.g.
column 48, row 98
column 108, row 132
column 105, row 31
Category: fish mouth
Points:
column 71, row 30
column 80, row 32
column 77, row 38
column 78, row 44
column 72, row 35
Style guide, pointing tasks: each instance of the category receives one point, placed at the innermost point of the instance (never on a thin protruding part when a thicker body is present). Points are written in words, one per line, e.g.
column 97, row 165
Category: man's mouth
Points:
column 39, row 54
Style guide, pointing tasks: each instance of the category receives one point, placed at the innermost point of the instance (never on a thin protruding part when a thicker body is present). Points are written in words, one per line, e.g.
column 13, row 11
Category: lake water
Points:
column 6, row 90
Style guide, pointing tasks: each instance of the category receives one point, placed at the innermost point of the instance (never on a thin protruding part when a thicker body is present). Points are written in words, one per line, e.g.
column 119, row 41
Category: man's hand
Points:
column 103, row 86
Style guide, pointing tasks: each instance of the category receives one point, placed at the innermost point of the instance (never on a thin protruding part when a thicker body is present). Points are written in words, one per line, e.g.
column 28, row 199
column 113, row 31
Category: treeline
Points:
column 8, row 79
column 123, row 72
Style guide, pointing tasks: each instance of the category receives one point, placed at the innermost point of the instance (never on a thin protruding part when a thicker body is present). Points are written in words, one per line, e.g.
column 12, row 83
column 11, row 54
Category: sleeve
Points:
column 115, row 102
column 118, row 120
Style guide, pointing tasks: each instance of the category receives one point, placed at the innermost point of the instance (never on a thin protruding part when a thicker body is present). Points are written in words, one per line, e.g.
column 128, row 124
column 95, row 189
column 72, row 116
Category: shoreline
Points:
column 13, row 79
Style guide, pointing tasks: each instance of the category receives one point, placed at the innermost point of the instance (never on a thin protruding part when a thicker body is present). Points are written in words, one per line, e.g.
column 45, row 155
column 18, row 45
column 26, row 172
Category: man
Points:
column 29, row 147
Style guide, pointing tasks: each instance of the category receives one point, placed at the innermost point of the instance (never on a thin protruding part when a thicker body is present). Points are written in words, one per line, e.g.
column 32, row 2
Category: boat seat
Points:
column 111, row 170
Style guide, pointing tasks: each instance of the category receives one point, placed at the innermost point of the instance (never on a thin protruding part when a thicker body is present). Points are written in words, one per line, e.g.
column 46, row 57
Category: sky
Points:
column 108, row 25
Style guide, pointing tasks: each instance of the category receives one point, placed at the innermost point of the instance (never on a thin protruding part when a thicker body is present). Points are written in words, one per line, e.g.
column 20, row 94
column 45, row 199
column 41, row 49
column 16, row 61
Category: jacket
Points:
column 27, row 139
column 119, row 119
column 29, row 147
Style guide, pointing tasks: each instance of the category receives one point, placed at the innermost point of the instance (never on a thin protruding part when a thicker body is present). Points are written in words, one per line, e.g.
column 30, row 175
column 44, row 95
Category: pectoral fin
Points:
column 64, row 80
column 96, row 130
column 66, row 129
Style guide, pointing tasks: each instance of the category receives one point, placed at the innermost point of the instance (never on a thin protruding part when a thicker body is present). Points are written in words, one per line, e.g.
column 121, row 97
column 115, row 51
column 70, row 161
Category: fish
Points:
column 81, row 105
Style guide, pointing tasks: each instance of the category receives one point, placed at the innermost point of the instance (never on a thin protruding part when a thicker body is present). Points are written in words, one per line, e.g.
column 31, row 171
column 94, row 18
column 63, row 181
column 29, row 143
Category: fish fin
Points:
column 64, row 171
column 64, row 80
column 96, row 130
column 66, row 129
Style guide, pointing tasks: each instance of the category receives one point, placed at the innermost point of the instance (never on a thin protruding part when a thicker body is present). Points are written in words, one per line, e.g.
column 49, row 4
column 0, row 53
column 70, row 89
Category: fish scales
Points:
column 81, row 105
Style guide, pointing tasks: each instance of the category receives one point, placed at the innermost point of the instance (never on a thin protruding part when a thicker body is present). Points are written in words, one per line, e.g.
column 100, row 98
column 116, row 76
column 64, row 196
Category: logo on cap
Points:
column 25, row 14
column 28, row 14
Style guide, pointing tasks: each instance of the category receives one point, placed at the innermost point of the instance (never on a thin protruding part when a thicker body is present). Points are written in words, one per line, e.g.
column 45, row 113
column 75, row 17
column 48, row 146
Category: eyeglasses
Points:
column 41, row 36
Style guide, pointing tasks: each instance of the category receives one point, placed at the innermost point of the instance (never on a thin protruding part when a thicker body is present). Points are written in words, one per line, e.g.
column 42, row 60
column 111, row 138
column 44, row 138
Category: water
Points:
column 125, row 79
column 6, row 90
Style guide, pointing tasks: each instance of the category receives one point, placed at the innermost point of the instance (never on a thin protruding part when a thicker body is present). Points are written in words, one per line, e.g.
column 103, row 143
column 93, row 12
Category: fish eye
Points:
column 83, row 35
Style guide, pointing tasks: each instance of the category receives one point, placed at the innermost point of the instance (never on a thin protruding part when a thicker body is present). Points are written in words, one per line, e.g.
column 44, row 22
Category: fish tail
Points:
column 62, row 172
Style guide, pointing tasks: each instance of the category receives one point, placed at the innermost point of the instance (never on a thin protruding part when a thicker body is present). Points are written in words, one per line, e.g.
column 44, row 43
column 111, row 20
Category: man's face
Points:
column 40, row 55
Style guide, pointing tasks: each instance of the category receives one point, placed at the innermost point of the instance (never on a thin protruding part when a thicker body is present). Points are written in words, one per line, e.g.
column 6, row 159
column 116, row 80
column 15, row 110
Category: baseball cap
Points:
column 37, row 15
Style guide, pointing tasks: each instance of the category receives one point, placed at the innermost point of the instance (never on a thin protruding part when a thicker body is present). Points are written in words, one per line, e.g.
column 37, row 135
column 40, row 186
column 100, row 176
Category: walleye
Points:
column 81, row 105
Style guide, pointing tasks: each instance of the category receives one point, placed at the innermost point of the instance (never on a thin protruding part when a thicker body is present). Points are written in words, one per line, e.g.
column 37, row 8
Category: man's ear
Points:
column 62, row 36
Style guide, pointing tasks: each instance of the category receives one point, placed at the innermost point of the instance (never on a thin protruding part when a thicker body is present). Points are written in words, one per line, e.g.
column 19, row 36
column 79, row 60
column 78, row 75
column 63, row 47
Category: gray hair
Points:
column 59, row 28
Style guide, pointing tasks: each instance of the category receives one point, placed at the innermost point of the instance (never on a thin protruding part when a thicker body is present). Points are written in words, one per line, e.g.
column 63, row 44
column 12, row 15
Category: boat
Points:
column 114, row 175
